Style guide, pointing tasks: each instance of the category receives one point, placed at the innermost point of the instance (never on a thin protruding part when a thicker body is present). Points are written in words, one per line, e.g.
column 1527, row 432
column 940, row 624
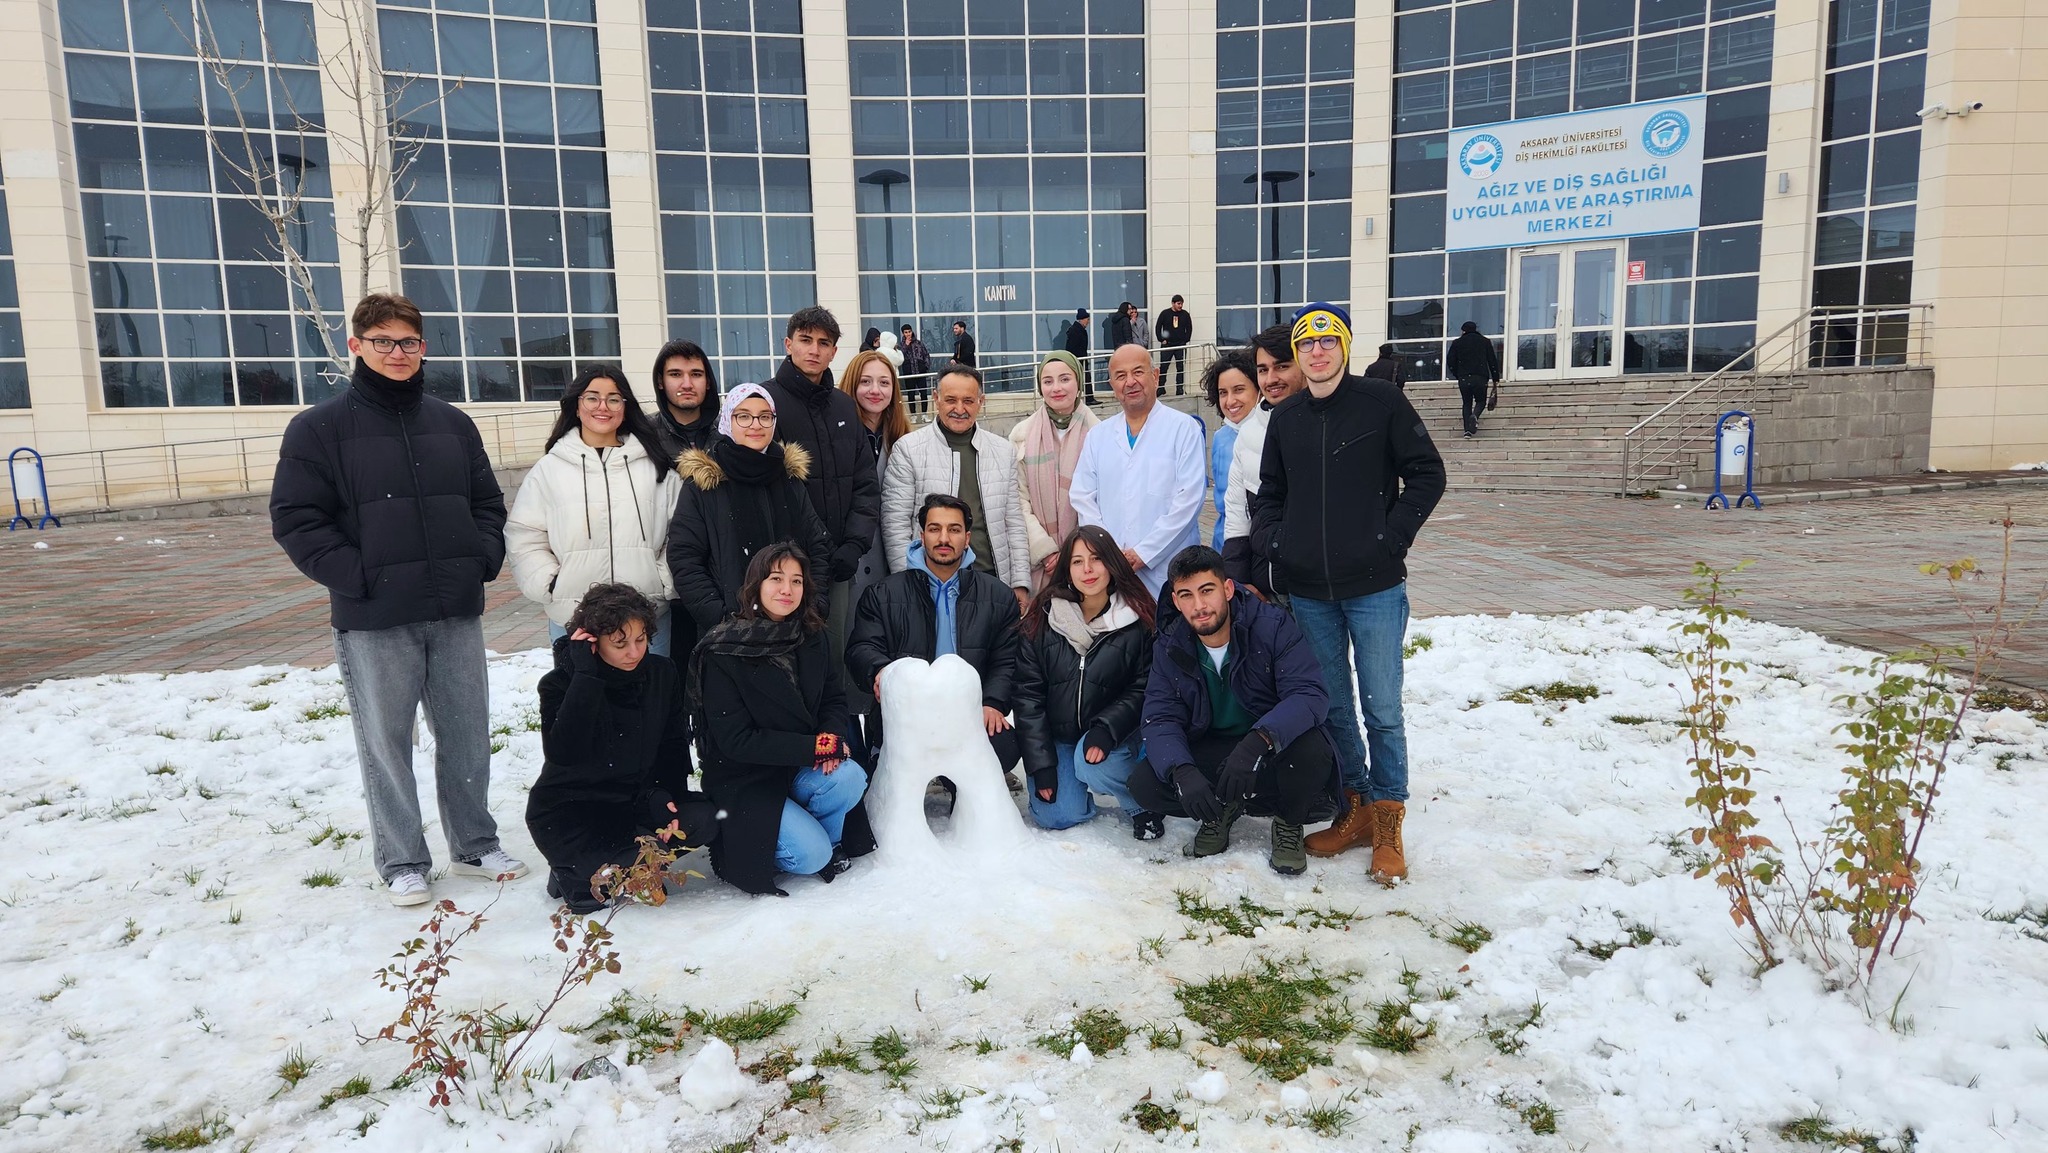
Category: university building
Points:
column 1838, row 199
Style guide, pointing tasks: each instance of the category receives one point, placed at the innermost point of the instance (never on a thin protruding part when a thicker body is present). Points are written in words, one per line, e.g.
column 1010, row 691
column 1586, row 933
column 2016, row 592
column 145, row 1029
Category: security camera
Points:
column 1944, row 110
column 1932, row 110
column 1972, row 106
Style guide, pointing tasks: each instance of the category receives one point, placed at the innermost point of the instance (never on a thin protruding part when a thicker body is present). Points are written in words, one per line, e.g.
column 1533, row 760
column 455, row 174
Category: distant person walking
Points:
column 384, row 495
column 1123, row 326
column 1475, row 365
column 917, row 367
column 963, row 344
column 1077, row 347
column 1174, row 328
column 1388, row 368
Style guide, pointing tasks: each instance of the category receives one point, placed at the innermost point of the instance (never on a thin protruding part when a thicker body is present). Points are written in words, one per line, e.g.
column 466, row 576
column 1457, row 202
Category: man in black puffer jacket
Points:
column 1348, row 476
column 942, row 604
column 845, row 489
column 385, row 496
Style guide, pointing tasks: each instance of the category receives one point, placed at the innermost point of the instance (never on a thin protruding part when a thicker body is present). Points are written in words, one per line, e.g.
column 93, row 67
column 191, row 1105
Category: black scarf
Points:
column 746, row 466
column 758, row 639
column 622, row 687
column 698, row 431
column 752, row 476
column 384, row 392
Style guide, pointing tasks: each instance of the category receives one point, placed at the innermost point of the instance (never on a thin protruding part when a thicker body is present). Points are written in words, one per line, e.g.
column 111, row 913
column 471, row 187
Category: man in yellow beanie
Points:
column 1348, row 477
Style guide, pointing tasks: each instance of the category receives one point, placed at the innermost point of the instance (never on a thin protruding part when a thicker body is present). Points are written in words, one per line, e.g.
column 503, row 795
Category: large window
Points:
column 13, row 368
column 175, row 164
column 732, row 142
column 1283, row 160
column 504, row 210
column 999, row 162
column 1869, row 175
column 1481, row 61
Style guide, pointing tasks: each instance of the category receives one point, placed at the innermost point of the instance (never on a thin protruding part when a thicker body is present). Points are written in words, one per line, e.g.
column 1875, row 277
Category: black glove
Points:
column 1240, row 772
column 1098, row 740
column 583, row 656
column 1046, row 779
column 1195, row 794
column 845, row 562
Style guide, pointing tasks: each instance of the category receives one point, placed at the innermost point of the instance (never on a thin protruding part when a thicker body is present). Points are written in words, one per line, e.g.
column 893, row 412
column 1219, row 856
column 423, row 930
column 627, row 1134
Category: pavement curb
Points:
column 1773, row 497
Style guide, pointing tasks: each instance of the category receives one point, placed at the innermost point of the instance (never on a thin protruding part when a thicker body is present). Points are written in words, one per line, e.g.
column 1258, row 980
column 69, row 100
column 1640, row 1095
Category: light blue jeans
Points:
column 656, row 644
column 814, row 815
column 1074, row 802
column 1363, row 634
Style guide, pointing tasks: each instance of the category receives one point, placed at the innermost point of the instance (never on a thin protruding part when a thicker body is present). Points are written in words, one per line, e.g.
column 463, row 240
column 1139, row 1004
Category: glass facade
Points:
column 1869, row 174
column 504, row 213
column 190, row 300
column 1483, row 61
column 13, row 368
column 732, row 143
column 1025, row 198
column 1283, row 160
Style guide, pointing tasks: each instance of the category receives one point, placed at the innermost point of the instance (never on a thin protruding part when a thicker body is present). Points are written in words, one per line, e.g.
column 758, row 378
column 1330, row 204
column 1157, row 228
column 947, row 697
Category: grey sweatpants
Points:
column 388, row 674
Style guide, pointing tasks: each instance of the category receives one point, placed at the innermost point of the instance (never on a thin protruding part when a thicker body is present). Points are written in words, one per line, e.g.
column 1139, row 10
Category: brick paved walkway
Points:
column 167, row 596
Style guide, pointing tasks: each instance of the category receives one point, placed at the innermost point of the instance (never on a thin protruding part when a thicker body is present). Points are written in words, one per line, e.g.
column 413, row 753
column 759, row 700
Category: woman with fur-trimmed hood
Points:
column 740, row 494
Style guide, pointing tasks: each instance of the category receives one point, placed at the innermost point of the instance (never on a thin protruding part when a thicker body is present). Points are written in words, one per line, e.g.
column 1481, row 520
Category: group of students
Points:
column 736, row 570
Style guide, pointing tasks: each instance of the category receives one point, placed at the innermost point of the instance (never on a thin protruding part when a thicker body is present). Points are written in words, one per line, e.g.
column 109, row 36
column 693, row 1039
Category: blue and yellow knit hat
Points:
column 1320, row 319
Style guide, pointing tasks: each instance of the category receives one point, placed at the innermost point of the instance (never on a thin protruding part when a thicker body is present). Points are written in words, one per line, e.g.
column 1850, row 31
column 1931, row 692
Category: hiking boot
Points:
column 496, row 865
column 408, row 889
column 834, row 866
column 1353, row 829
column 1214, row 836
column 1287, row 857
column 1148, row 826
column 1389, row 858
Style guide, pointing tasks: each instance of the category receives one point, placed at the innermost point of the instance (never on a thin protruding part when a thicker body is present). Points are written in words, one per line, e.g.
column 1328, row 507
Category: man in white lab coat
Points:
column 1142, row 472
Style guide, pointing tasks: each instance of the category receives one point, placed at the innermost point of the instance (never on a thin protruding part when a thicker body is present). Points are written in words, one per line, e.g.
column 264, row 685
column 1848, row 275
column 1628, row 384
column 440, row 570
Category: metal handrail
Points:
column 1642, row 456
column 1006, row 373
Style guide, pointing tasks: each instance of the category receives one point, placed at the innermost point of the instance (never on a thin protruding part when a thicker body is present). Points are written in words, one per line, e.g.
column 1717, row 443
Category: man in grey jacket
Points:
column 956, row 456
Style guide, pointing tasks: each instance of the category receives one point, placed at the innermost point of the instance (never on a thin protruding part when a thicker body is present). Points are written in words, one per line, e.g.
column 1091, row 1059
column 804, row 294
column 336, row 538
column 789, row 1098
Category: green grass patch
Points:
column 1100, row 1029
column 1152, row 1117
column 1329, row 1119
column 1469, row 936
column 757, row 1022
column 775, row 1066
column 1816, row 1129
column 838, row 1056
column 2031, row 922
column 295, row 1067
column 1506, row 1036
column 1421, row 644
column 321, row 880
column 1556, row 692
column 1632, row 719
column 1280, row 1016
column 1634, row 936
column 198, row 1135
column 326, row 712
column 892, row 1057
column 357, row 1086
column 645, row 1029
column 1539, row 1116
column 1245, row 917
column 1991, row 698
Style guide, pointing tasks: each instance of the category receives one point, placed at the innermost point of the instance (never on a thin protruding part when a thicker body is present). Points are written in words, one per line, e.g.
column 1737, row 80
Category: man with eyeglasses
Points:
column 384, row 495
column 1348, row 476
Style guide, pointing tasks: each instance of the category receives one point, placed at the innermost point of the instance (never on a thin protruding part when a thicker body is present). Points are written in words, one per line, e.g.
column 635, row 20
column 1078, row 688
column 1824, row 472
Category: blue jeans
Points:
column 1365, row 633
column 814, row 815
column 656, row 644
column 1074, row 801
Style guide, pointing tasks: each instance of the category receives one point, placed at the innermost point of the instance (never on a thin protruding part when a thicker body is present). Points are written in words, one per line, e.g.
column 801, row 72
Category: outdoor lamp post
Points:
column 1275, row 177
column 885, row 179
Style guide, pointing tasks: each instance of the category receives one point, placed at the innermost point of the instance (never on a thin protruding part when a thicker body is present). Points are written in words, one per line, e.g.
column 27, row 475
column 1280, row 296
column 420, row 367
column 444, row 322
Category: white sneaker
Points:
column 496, row 865
column 407, row 889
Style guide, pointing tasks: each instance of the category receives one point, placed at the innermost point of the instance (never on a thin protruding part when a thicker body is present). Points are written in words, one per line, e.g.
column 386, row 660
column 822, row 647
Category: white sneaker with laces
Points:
column 496, row 865
column 407, row 889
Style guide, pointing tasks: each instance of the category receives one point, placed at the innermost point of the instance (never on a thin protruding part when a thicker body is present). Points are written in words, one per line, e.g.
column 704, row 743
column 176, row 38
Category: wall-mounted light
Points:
column 1366, row 228
column 1784, row 183
column 1943, row 110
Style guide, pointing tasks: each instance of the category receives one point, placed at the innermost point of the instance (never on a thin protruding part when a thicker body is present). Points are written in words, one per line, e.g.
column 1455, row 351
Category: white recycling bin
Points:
column 1735, row 447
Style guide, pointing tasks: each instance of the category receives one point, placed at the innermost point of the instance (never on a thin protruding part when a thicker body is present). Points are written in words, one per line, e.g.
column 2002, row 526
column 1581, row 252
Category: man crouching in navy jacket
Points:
column 1234, row 715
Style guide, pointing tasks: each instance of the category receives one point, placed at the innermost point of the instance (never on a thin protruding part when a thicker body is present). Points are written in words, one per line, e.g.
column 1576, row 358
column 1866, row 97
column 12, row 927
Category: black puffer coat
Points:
column 761, row 723
column 1062, row 695
column 705, row 557
column 677, row 438
column 897, row 618
column 843, row 485
column 385, row 496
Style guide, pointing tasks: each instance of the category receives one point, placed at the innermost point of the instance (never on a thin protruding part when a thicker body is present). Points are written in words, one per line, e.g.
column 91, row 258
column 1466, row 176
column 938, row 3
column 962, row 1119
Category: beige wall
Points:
column 1982, row 252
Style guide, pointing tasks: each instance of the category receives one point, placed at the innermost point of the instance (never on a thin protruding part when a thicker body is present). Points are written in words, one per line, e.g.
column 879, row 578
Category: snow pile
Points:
column 186, row 902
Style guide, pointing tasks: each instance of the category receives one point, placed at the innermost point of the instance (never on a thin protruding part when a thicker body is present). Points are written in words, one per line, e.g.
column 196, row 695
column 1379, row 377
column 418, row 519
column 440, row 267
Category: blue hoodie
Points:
column 945, row 598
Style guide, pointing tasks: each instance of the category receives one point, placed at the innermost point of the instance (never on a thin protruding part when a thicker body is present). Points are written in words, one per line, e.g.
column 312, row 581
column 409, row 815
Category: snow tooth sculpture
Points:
column 931, row 715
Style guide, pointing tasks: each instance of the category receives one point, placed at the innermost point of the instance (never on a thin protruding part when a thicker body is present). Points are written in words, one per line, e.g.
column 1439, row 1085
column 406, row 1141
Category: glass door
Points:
column 1566, row 311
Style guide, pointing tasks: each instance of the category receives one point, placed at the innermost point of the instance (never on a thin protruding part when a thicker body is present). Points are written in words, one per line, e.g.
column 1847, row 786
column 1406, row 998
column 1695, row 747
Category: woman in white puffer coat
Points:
column 595, row 508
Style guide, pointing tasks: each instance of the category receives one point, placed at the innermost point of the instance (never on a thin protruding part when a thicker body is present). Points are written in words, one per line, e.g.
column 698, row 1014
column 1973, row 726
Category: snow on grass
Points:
column 189, row 923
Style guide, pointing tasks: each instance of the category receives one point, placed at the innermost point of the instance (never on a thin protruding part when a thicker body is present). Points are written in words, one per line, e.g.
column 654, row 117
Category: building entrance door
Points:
column 1564, row 311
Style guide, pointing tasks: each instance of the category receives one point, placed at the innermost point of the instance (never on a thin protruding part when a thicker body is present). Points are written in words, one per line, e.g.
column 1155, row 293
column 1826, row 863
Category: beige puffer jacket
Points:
column 580, row 519
column 923, row 463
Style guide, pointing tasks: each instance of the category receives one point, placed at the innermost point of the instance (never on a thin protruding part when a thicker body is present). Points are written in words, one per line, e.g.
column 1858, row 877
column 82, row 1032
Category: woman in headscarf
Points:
column 740, row 495
column 1048, row 446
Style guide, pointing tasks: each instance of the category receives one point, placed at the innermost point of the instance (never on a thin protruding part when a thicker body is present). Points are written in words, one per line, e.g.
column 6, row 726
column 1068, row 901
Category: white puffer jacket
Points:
column 923, row 463
column 581, row 519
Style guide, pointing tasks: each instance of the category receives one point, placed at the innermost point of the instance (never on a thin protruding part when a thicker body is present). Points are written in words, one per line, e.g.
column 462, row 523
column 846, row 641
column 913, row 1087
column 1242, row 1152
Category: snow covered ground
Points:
column 169, row 935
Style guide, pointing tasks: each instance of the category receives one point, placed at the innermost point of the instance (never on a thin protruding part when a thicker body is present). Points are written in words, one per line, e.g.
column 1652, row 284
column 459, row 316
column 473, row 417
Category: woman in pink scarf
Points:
column 1048, row 447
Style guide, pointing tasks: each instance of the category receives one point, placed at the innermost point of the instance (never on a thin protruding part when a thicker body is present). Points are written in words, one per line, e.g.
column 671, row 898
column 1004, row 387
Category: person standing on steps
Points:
column 1174, row 329
column 1123, row 326
column 1234, row 712
column 813, row 415
column 1142, row 472
column 917, row 367
column 955, row 455
column 688, row 417
column 385, row 496
column 1279, row 377
column 963, row 344
column 1348, row 477
column 1388, row 368
column 1227, row 385
column 1475, row 364
column 1077, row 347
column 1048, row 444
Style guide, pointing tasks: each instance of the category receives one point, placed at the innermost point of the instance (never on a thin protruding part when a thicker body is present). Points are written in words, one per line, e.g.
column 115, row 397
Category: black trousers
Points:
column 1176, row 358
column 1293, row 786
column 1472, row 399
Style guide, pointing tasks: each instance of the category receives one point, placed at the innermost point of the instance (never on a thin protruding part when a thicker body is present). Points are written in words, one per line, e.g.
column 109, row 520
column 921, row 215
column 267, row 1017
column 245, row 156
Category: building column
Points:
column 49, row 235
column 630, row 174
column 1791, row 162
column 357, row 148
column 1180, row 127
column 828, row 104
column 1372, row 167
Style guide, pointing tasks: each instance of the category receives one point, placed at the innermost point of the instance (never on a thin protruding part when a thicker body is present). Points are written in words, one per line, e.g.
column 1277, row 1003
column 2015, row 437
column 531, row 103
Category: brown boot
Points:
column 1389, row 859
column 1353, row 828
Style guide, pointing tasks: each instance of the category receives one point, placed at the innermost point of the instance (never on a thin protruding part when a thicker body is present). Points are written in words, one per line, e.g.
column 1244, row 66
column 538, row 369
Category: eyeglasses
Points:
column 598, row 400
column 753, row 420
column 1307, row 343
column 408, row 345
